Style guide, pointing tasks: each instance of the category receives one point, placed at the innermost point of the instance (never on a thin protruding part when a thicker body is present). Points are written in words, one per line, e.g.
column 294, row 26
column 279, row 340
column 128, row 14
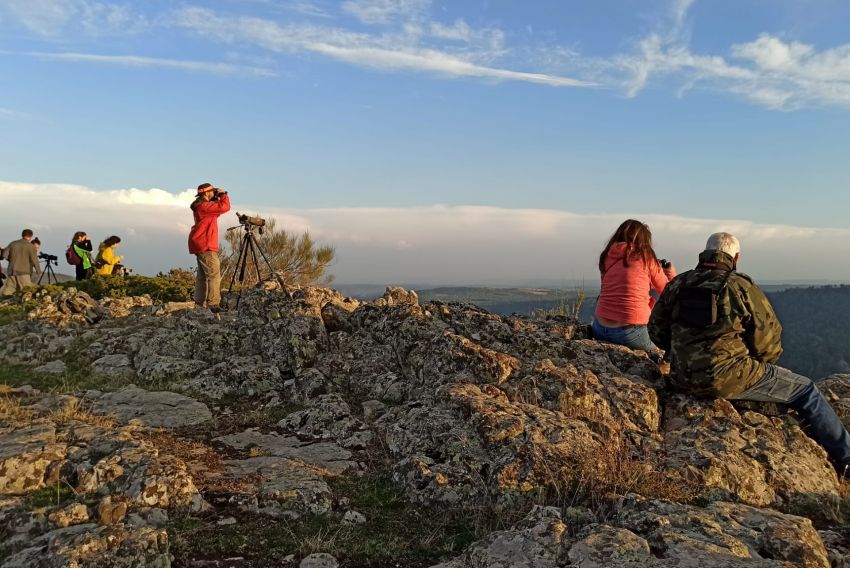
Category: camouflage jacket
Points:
column 718, row 327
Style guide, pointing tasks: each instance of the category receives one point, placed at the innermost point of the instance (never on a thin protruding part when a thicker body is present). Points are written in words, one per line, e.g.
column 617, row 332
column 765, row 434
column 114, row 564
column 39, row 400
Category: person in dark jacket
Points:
column 82, row 247
column 725, row 339
column 23, row 262
column 208, row 206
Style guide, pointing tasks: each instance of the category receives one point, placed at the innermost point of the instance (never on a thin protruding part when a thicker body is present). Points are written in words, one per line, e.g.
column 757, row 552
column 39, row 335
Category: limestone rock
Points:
column 89, row 545
column 154, row 369
column 761, row 460
column 285, row 488
column 55, row 367
column 73, row 514
column 246, row 376
column 353, row 518
column 373, row 409
column 328, row 416
column 723, row 534
column 395, row 296
column 155, row 409
column 319, row 560
column 116, row 365
column 28, row 455
column 537, row 542
column 67, row 308
column 110, row 512
column 322, row 456
column 123, row 307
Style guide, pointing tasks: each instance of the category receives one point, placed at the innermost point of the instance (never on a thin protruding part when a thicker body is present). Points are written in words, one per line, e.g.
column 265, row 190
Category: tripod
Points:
column 48, row 270
column 248, row 248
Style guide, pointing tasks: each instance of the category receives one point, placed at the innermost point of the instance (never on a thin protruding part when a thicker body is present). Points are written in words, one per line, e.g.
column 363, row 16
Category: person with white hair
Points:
column 724, row 340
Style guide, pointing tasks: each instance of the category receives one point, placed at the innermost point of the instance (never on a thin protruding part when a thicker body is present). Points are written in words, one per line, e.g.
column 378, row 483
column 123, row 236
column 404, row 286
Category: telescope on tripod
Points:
column 50, row 260
column 247, row 257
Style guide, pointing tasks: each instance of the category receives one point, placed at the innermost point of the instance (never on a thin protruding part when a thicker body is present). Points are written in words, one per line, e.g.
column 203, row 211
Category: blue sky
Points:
column 721, row 110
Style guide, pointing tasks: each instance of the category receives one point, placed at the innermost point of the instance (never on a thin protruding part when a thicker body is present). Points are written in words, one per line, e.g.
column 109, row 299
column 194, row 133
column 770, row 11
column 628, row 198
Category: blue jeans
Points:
column 632, row 336
column 782, row 386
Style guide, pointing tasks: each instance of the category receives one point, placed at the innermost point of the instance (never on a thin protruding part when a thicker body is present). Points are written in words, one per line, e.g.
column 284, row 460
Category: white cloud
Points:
column 141, row 61
column 427, row 244
column 768, row 71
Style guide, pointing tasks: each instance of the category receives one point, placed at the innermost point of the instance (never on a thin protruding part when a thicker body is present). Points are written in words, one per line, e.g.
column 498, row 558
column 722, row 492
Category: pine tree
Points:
column 296, row 258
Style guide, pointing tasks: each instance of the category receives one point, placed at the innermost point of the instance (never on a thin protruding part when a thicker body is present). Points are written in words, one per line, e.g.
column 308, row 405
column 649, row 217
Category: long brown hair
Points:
column 638, row 239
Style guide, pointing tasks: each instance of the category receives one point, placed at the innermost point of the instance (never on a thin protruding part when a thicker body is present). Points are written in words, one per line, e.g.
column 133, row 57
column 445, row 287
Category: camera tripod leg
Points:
column 254, row 246
column 250, row 246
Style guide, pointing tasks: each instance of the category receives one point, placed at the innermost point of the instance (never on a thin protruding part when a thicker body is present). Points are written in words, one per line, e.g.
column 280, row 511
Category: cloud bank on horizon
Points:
column 769, row 69
column 417, row 245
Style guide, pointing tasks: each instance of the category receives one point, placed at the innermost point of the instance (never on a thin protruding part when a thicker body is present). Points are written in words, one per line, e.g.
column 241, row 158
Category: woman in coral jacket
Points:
column 107, row 260
column 630, row 272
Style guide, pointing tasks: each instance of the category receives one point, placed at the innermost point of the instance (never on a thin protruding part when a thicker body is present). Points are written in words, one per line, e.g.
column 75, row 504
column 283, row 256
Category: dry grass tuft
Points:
column 592, row 475
column 617, row 469
column 74, row 411
column 11, row 409
column 205, row 463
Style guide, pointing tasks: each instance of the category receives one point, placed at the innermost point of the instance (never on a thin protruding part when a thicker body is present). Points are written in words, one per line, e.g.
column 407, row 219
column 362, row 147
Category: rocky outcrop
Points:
column 55, row 444
column 465, row 408
column 655, row 534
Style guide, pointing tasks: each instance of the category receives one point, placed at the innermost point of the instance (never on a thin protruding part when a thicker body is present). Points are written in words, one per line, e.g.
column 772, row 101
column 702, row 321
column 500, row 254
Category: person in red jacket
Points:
column 630, row 272
column 208, row 206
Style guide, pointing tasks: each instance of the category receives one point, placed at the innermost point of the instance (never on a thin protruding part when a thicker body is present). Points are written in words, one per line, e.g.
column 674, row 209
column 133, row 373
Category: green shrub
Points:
column 177, row 285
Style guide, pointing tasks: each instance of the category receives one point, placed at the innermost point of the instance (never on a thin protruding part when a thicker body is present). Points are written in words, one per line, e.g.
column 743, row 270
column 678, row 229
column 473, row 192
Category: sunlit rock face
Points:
column 262, row 410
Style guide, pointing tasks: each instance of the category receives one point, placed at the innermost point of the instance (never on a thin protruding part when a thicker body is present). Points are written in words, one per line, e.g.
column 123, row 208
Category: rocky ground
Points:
column 309, row 429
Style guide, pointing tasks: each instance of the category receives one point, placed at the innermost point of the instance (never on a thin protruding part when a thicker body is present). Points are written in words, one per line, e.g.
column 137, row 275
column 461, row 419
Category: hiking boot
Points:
column 215, row 309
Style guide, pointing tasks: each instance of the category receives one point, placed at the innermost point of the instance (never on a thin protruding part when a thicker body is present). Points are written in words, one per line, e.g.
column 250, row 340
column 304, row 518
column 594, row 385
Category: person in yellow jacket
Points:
column 107, row 261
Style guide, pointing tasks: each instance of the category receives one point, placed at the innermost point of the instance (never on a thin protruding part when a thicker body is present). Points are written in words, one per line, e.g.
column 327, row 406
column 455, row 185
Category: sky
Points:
column 464, row 142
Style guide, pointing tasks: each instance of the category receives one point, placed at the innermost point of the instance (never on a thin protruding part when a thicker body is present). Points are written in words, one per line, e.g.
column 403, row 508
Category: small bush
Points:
column 175, row 286
column 10, row 313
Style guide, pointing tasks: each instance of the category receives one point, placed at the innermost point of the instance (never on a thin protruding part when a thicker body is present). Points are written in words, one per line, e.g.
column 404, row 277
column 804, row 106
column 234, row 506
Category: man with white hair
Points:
column 724, row 340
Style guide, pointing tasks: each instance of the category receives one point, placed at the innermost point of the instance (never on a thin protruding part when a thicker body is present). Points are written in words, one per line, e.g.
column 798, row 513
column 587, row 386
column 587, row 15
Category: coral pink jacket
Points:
column 625, row 290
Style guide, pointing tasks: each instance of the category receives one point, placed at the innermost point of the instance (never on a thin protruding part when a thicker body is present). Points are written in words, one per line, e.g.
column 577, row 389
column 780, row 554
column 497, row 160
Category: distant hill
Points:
column 815, row 319
column 816, row 329
column 506, row 301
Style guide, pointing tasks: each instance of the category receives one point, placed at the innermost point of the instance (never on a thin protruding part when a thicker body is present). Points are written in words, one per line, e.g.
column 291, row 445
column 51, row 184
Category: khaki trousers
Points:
column 208, row 280
column 15, row 284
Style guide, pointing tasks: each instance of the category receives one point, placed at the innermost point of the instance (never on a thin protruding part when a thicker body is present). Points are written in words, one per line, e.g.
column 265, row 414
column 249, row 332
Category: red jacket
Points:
column 625, row 295
column 204, row 234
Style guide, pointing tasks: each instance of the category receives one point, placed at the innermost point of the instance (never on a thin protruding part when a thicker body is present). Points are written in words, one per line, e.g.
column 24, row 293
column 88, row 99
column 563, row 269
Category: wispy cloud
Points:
column 434, row 243
column 385, row 11
column 10, row 114
column 141, row 61
column 93, row 17
column 402, row 51
column 769, row 71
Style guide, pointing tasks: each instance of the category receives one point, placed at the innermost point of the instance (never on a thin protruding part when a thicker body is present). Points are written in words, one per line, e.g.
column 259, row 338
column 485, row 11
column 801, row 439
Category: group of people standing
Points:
column 713, row 325
column 105, row 263
column 23, row 260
